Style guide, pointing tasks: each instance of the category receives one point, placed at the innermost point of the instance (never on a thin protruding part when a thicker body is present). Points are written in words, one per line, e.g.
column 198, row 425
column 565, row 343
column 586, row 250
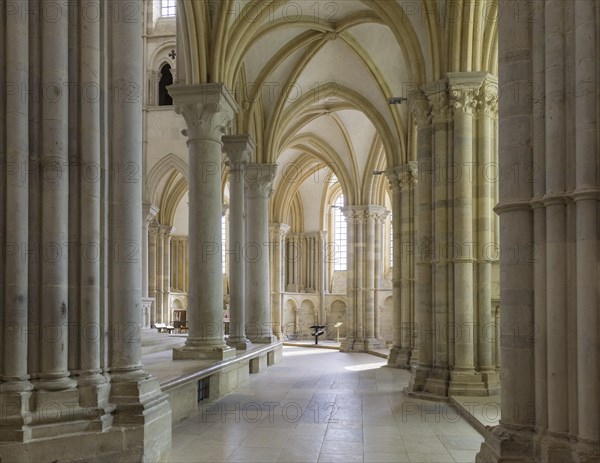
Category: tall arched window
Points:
column 166, row 79
column 340, row 235
column 168, row 8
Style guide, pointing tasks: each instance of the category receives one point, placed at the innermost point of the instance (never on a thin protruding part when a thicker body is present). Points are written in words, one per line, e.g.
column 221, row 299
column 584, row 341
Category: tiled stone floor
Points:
column 321, row 405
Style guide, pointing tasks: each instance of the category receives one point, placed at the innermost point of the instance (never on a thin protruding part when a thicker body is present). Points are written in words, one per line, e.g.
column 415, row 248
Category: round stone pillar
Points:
column 259, row 187
column 239, row 150
column 208, row 110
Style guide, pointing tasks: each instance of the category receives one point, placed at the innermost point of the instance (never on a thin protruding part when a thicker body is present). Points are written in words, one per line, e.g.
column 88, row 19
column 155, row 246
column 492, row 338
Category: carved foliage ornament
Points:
column 464, row 99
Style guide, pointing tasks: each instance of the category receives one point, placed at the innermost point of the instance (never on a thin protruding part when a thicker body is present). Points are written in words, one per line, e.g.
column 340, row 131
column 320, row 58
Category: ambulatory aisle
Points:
column 322, row 406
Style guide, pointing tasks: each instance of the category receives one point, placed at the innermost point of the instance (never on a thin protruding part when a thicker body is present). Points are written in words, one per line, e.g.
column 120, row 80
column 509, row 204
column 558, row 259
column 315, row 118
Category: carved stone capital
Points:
column 404, row 177
column 488, row 99
column 420, row 109
column 153, row 229
column 239, row 150
column 166, row 231
column 463, row 100
column 376, row 213
column 354, row 214
column 208, row 110
column 464, row 90
column 149, row 213
column 278, row 231
column 259, row 180
column 440, row 107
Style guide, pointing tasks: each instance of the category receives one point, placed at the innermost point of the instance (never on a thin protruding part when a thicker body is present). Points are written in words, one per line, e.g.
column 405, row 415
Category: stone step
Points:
column 166, row 342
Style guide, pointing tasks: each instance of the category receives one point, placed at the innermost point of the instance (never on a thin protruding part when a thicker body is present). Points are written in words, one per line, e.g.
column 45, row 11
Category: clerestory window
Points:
column 168, row 8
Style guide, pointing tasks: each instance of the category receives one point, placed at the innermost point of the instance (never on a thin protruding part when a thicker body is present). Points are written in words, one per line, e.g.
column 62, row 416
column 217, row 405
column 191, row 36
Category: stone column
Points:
column 423, row 304
column 152, row 270
column 586, row 197
column 354, row 341
column 136, row 394
column 402, row 181
column 277, row 233
column 166, row 232
column 373, row 215
column 322, row 275
column 239, row 150
column 208, row 110
column 437, row 383
column 149, row 212
column 380, row 222
column 54, row 314
column 488, row 108
column 464, row 88
column 369, row 275
column 91, row 382
column 15, row 386
column 160, row 279
column 512, row 440
column 259, row 187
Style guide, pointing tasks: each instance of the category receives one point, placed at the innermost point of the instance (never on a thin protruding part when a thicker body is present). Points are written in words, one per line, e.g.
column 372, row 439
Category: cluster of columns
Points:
column 208, row 110
column 277, row 235
column 444, row 328
column 365, row 254
column 306, row 262
column 71, row 274
column 402, row 182
column 159, row 270
column 550, row 237
column 179, row 264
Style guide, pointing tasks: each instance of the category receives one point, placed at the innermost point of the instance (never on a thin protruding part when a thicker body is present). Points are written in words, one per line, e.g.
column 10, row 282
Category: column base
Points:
column 141, row 430
column 15, row 417
column 399, row 357
column 239, row 343
column 414, row 358
column 437, row 382
column 209, row 352
column 507, row 445
column 55, row 382
column 491, row 379
column 418, row 379
column 353, row 345
column 469, row 383
column 374, row 343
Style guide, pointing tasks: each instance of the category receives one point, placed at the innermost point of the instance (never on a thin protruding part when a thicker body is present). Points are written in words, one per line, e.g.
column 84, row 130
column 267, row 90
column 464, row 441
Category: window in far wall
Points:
column 166, row 79
column 168, row 8
column 340, row 235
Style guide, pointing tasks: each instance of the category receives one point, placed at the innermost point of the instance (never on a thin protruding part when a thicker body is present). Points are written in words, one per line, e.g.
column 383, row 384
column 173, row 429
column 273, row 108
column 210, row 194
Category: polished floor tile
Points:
column 323, row 406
